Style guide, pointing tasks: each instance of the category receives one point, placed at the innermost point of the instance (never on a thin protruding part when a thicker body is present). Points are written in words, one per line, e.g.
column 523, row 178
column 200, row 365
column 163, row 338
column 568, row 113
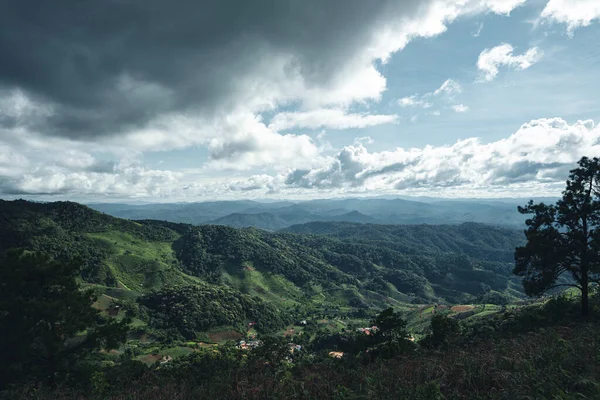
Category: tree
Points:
column 563, row 239
column 443, row 330
column 391, row 337
column 46, row 319
column 390, row 326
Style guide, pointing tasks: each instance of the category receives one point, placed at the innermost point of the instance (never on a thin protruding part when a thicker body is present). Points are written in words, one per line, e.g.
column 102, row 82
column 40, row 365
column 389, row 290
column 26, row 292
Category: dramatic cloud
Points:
column 541, row 151
column 11, row 161
column 539, row 154
column 327, row 118
column 573, row 13
column 88, row 89
column 490, row 60
column 252, row 144
column 115, row 68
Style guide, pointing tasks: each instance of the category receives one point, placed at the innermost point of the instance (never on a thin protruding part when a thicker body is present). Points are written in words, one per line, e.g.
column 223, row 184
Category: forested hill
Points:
column 346, row 264
column 282, row 214
column 474, row 239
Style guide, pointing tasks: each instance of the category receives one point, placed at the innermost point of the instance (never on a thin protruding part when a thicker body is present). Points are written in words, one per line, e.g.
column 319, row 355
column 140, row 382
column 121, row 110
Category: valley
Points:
column 320, row 294
column 333, row 275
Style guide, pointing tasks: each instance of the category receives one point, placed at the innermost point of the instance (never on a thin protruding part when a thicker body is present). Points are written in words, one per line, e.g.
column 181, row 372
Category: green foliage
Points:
column 391, row 337
column 62, row 231
column 557, row 311
column 390, row 326
column 187, row 311
column 493, row 297
column 345, row 272
column 443, row 331
column 351, row 265
column 273, row 353
column 549, row 363
column 46, row 321
column 347, row 260
column 564, row 239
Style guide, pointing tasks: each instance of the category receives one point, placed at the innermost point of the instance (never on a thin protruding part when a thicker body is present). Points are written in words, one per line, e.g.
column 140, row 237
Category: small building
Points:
column 295, row 347
column 165, row 359
column 243, row 345
column 336, row 354
column 254, row 343
column 368, row 330
column 113, row 310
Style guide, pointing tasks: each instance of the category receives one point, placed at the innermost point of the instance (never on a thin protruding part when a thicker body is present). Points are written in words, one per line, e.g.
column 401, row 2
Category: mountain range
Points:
column 348, row 264
column 273, row 216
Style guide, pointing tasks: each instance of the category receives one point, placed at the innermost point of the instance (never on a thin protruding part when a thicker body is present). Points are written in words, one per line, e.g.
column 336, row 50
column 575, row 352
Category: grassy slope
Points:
column 140, row 265
column 270, row 287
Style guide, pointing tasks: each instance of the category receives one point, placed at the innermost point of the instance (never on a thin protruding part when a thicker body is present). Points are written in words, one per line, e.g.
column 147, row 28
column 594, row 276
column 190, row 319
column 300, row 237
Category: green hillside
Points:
column 186, row 292
column 347, row 267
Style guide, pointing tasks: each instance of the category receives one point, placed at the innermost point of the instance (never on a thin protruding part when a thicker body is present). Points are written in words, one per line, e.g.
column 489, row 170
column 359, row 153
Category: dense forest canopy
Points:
column 417, row 263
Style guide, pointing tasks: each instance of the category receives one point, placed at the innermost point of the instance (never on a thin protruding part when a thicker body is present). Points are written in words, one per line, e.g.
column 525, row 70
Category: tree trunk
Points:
column 585, row 307
column 585, row 268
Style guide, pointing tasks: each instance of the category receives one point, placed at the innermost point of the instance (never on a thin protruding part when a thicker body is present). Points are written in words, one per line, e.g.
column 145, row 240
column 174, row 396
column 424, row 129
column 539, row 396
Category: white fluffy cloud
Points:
column 540, row 152
column 413, row 101
column 490, row 60
column 444, row 94
column 250, row 143
column 327, row 118
column 338, row 70
column 283, row 71
column 573, row 13
column 532, row 160
column 129, row 181
column 503, row 6
column 460, row 108
column 449, row 87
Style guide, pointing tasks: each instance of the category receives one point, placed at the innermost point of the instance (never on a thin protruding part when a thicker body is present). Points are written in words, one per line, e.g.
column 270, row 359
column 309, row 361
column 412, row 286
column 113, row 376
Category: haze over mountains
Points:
column 273, row 216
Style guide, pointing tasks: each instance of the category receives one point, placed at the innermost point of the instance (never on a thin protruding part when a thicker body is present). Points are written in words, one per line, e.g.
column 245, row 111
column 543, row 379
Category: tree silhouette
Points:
column 563, row 239
column 46, row 319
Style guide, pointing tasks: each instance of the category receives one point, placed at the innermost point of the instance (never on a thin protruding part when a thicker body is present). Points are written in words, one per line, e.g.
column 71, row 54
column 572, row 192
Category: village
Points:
column 252, row 342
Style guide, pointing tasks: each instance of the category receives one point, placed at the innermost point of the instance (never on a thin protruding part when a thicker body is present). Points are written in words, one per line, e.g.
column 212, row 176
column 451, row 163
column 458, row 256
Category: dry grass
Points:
column 459, row 309
column 219, row 337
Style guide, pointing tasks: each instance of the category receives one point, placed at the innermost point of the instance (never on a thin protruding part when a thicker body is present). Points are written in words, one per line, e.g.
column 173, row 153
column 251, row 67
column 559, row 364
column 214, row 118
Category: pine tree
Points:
column 564, row 239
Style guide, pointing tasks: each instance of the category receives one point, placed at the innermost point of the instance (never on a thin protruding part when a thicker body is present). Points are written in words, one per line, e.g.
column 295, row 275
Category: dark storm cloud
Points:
column 86, row 59
column 388, row 169
column 297, row 177
column 102, row 167
column 235, row 148
column 524, row 171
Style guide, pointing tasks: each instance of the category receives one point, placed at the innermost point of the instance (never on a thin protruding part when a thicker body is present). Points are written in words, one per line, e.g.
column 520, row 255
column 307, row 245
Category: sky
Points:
column 220, row 99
